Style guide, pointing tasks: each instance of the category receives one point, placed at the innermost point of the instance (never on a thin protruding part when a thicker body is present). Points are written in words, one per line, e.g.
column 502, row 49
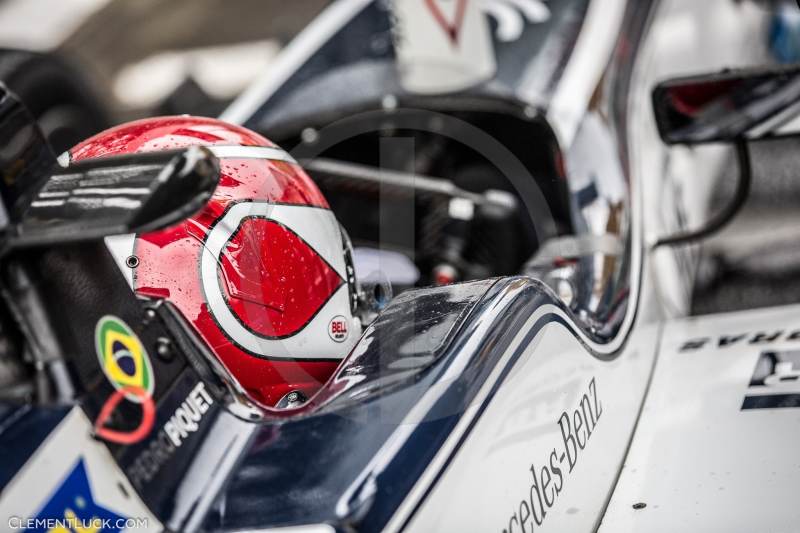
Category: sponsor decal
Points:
column 775, row 382
column 188, row 415
column 123, row 359
column 127, row 366
column 442, row 46
column 72, row 507
column 184, row 421
column 338, row 328
column 511, row 16
column 451, row 28
column 726, row 341
column 549, row 476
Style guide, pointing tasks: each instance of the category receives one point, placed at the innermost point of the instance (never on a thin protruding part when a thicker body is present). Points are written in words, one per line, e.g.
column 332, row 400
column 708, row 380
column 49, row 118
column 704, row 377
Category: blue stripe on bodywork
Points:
column 319, row 468
column 429, row 437
column 23, row 429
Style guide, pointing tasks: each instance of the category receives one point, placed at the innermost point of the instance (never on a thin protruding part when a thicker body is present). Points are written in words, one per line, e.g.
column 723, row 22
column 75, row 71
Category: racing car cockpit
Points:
column 481, row 206
column 441, row 179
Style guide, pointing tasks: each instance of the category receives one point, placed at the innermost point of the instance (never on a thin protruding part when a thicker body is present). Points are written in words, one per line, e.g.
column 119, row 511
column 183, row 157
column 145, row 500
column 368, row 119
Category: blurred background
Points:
column 143, row 57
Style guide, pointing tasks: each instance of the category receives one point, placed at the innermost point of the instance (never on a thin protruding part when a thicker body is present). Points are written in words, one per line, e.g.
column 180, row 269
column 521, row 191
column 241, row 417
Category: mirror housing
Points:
column 45, row 204
column 728, row 106
column 137, row 193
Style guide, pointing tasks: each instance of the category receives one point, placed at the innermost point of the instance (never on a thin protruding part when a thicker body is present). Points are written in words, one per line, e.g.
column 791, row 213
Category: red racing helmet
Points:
column 263, row 272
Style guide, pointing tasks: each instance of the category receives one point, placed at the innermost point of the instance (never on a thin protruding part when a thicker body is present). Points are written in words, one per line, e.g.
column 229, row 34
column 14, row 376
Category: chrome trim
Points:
column 637, row 94
column 587, row 64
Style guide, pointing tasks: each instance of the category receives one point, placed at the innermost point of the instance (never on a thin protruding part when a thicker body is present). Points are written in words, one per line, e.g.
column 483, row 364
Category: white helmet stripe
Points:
column 252, row 152
column 320, row 230
column 121, row 248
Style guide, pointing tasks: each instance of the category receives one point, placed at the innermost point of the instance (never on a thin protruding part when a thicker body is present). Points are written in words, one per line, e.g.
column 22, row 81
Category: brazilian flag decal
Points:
column 122, row 357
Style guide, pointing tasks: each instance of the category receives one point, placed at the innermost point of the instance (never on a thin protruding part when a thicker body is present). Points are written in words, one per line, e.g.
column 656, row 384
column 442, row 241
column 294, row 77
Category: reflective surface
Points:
column 358, row 66
column 25, row 157
column 722, row 107
column 115, row 196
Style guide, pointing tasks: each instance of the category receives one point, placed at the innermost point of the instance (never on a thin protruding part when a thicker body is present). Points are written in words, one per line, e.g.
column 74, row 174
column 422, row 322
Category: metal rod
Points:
column 407, row 181
column 722, row 218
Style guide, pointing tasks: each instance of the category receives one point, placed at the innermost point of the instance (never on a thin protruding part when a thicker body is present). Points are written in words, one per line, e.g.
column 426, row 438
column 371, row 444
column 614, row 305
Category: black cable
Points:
column 726, row 215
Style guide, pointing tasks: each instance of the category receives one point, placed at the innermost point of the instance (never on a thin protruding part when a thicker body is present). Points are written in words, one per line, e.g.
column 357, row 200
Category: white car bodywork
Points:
column 490, row 485
column 690, row 454
column 712, row 452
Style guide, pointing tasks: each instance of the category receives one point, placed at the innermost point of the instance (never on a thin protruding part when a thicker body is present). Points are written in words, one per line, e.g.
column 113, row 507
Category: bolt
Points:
column 149, row 316
column 292, row 400
column 389, row 102
column 309, row 135
column 164, row 349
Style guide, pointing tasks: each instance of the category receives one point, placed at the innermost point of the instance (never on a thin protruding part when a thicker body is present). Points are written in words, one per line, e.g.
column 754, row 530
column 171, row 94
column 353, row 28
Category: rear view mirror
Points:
column 43, row 204
column 733, row 106
column 728, row 106
column 116, row 195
